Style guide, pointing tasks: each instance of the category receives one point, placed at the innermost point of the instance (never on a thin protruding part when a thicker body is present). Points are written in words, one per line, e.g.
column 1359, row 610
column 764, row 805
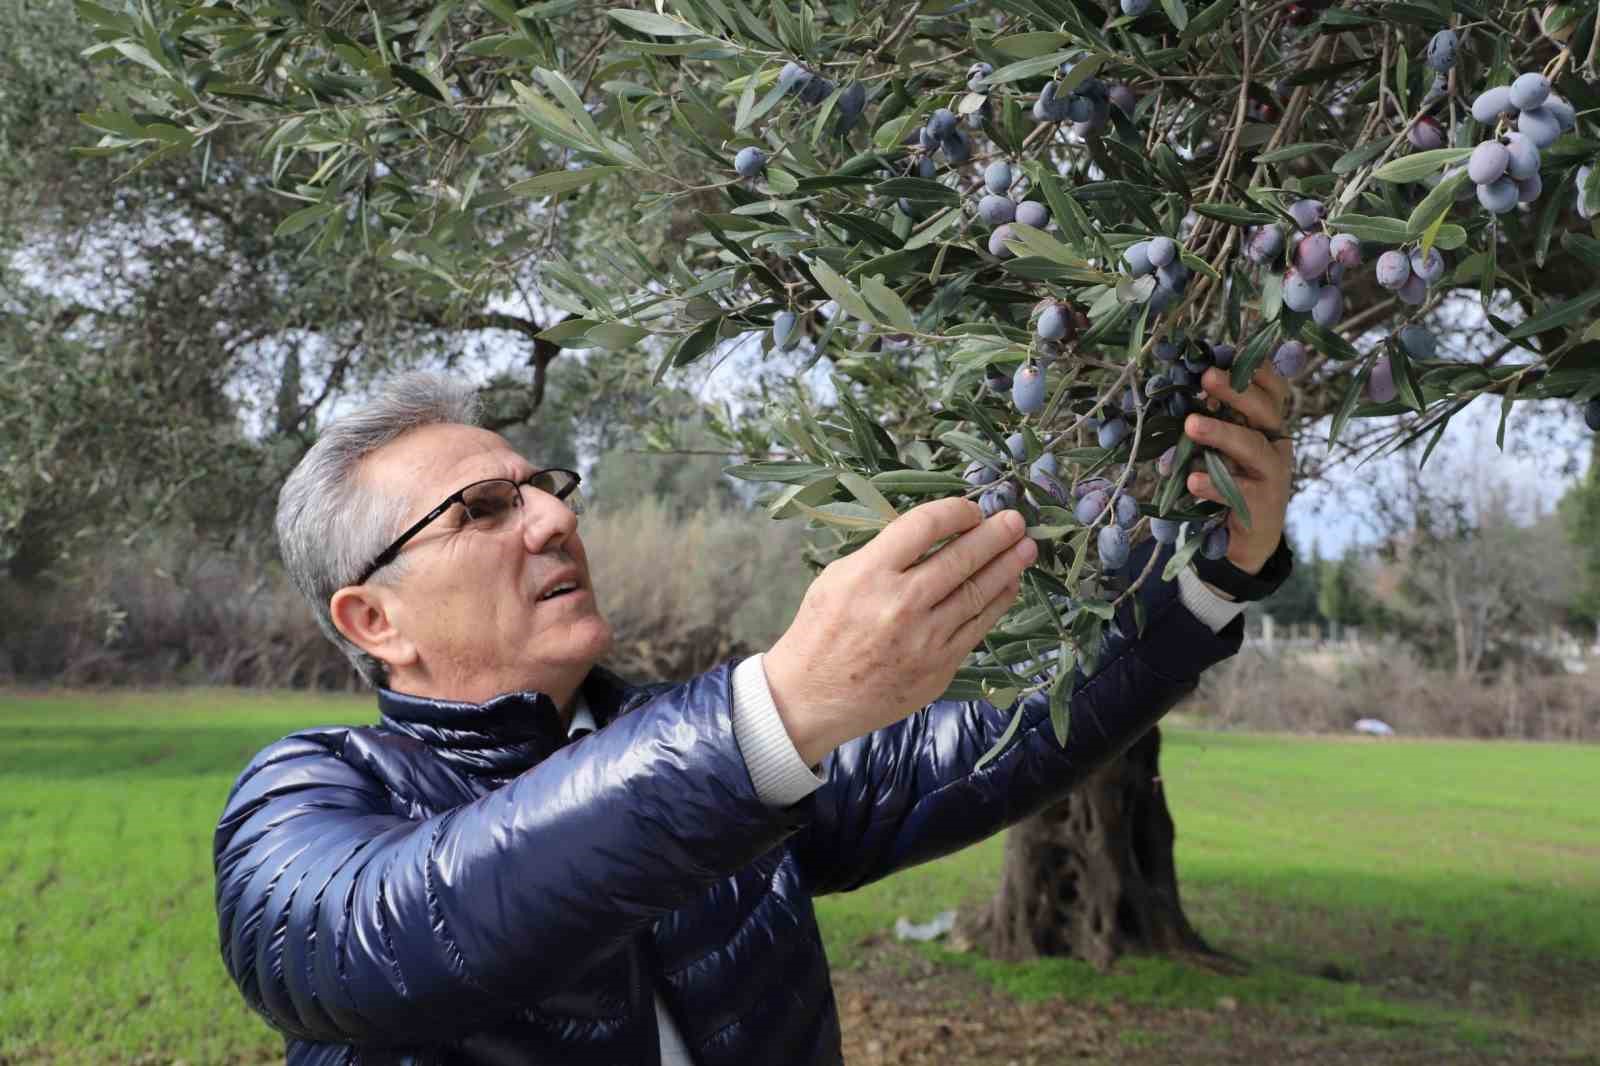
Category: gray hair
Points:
column 330, row 524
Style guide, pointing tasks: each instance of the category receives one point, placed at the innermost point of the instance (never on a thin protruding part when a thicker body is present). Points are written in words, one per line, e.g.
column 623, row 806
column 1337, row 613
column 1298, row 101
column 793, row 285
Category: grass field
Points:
column 1447, row 890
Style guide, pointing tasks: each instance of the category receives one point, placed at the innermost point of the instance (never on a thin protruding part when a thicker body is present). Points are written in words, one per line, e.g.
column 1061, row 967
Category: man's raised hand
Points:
column 882, row 632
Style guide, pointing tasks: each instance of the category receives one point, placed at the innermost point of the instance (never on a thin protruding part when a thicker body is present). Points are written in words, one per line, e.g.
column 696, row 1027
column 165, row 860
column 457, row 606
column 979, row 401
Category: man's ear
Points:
column 361, row 613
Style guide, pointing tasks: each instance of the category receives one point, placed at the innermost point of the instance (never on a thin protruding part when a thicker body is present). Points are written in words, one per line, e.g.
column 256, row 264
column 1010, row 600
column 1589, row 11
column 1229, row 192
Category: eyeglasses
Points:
column 489, row 505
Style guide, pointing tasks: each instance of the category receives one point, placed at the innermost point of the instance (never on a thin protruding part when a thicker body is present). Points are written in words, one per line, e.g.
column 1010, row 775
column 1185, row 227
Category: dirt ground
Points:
column 898, row 1007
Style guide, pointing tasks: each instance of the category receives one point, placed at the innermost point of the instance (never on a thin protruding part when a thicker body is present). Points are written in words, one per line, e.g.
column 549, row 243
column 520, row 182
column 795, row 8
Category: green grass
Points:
column 1448, row 861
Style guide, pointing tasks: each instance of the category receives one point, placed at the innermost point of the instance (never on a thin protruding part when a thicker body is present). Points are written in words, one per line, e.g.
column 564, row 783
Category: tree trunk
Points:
column 1093, row 877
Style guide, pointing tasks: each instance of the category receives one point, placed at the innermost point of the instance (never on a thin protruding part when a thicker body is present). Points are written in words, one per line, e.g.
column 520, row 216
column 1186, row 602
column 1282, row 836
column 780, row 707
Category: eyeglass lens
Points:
column 490, row 503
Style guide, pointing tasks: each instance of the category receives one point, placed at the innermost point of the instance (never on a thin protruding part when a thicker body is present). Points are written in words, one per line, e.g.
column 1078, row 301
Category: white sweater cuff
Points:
column 780, row 776
column 1205, row 604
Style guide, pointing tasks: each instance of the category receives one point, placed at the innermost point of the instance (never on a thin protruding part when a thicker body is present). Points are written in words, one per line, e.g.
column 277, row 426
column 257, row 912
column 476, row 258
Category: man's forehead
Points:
column 438, row 459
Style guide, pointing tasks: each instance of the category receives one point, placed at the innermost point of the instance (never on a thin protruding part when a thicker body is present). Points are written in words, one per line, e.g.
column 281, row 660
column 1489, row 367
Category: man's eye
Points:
column 488, row 509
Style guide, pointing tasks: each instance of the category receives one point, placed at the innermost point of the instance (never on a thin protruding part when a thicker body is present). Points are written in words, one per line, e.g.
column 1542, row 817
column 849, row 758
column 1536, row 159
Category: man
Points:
column 527, row 861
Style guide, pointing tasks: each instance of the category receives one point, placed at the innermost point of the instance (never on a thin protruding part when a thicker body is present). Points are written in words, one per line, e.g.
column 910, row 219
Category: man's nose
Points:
column 546, row 521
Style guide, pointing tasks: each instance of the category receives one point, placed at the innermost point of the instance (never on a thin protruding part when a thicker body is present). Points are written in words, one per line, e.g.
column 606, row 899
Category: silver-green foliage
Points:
column 451, row 142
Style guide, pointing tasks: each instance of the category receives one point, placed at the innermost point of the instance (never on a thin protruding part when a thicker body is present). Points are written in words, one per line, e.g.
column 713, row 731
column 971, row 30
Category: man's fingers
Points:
column 971, row 633
column 1245, row 446
column 908, row 538
column 972, row 596
column 1262, row 402
column 942, row 573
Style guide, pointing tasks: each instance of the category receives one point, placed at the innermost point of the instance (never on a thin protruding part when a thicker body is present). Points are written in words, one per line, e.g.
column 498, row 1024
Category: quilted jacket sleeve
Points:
column 908, row 793
column 342, row 920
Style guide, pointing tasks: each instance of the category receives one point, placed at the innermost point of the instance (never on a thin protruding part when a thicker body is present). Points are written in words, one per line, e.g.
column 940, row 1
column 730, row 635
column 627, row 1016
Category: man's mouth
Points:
column 560, row 589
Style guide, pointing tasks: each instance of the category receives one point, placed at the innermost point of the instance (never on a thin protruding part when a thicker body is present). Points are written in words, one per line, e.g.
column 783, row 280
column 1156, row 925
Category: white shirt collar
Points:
column 582, row 717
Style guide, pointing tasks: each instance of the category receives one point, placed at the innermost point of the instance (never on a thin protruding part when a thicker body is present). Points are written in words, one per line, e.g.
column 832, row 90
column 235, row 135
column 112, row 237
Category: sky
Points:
column 1547, row 446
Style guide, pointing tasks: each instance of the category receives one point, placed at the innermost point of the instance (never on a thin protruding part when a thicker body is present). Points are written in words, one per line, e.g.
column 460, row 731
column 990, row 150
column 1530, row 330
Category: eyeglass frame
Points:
column 392, row 552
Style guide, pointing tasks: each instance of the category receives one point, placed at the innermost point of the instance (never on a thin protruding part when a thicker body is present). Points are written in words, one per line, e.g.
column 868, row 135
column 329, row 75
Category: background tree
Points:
column 1580, row 510
column 735, row 165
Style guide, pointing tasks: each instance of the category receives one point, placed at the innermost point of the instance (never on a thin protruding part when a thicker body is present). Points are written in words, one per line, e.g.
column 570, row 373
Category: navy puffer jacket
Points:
column 459, row 885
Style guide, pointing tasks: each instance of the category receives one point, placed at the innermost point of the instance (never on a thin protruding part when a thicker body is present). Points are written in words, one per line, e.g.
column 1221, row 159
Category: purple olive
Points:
column 1090, row 484
column 793, row 74
column 1044, row 107
column 1346, row 250
column 1299, row 292
column 1429, row 268
column 1112, row 433
column 942, row 123
column 1174, row 276
column 957, row 147
column 1222, row 355
column 1054, row 495
column 815, row 89
column 1311, row 256
column 1216, row 544
column 1426, row 134
column 1113, row 545
column 1137, row 256
column 1027, row 390
column 1499, row 197
column 1161, row 251
column 1413, row 292
column 1127, row 510
column 1488, row 162
column 1522, row 157
column 1165, row 351
column 1540, row 126
column 997, row 177
column 1394, row 270
column 750, row 161
column 1045, row 464
column 1265, row 244
column 1054, row 322
column 980, row 474
column 1164, row 530
column 1491, row 104
column 1529, row 91
column 1168, row 460
column 996, row 210
column 1329, row 307
column 1033, row 213
column 1441, row 54
column 1017, row 446
column 1566, row 117
column 997, row 242
column 1122, row 96
column 1090, row 504
column 1307, row 213
column 1290, row 359
column 1418, row 342
column 1002, row 497
column 1380, row 383
column 1528, row 189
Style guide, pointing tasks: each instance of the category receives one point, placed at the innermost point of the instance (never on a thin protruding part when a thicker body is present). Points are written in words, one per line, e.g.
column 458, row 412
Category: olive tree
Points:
column 1011, row 232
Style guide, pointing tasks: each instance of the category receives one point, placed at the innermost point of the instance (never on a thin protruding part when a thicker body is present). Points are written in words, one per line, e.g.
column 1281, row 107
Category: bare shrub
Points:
column 1310, row 691
column 686, row 593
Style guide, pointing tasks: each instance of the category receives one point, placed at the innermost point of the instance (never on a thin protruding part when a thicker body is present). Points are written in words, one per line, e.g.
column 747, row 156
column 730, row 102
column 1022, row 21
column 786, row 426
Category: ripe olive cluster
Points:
column 1307, row 258
column 1506, row 168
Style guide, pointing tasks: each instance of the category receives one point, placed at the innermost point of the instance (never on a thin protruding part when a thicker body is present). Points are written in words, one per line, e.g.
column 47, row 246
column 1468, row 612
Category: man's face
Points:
column 469, row 600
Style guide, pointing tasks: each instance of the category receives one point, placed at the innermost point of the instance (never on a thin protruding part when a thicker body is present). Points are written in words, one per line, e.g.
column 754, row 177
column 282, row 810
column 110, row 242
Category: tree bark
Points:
column 1093, row 877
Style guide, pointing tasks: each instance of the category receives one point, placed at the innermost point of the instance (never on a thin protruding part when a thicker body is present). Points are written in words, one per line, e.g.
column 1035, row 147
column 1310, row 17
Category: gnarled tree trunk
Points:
column 1093, row 877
